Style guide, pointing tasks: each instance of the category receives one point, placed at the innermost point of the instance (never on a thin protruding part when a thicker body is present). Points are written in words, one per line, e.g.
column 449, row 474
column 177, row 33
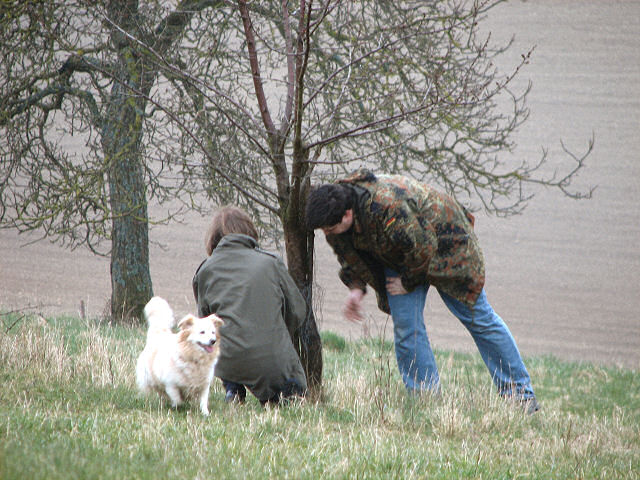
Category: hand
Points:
column 352, row 307
column 395, row 287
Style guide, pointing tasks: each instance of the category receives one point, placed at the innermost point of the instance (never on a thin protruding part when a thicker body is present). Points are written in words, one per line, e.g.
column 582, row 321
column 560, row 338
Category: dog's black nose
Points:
column 212, row 342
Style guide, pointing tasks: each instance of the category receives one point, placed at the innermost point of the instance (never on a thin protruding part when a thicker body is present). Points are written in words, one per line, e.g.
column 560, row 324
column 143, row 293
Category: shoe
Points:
column 529, row 405
column 233, row 397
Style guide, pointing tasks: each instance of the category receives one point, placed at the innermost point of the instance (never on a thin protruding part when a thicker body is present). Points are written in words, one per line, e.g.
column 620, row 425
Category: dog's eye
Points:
column 202, row 332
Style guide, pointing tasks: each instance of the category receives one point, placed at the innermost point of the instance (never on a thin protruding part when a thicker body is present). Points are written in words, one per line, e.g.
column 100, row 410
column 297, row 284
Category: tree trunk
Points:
column 299, row 246
column 131, row 285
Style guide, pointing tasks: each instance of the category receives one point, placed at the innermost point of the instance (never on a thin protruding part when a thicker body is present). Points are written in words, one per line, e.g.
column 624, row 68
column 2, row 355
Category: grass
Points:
column 69, row 409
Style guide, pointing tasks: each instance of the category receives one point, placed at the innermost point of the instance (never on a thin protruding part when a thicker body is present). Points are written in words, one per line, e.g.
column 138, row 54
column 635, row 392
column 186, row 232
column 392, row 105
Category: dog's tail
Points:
column 159, row 316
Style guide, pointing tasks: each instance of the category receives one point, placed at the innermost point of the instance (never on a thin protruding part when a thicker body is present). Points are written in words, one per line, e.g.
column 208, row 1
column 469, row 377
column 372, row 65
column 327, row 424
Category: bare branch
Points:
column 291, row 70
column 255, row 69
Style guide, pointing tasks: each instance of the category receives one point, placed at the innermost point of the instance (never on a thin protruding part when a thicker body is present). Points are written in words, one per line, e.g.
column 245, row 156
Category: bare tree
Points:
column 70, row 73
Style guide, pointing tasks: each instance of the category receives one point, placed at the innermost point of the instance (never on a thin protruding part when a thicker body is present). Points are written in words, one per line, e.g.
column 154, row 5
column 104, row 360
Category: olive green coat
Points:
column 253, row 293
column 407, row 226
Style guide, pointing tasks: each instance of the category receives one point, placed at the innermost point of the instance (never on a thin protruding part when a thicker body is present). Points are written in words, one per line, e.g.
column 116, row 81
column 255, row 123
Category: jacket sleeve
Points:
column 203, row 308
column 295, row 306
column 351, row 267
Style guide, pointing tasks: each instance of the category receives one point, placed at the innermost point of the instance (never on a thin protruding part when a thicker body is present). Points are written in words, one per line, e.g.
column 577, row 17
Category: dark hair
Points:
column 327, row 204
column 228, row 219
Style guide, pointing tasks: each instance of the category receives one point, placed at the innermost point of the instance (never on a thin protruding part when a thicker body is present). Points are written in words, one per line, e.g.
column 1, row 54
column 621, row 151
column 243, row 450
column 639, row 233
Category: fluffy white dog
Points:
column 178, row 365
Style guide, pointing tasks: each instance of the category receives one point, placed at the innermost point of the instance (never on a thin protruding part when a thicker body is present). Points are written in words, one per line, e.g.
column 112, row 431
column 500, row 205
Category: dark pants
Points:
column 235, row 388
column 290, row 388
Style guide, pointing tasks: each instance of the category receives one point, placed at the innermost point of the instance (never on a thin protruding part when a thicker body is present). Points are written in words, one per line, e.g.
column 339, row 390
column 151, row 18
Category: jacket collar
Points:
column 233, row 239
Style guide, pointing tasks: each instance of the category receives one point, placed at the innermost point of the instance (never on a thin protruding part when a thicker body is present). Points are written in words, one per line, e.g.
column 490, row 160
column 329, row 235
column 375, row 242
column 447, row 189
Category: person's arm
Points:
column 353, row 306
column 347, row 257
column 350, row 262
column 295, row 308
column 203, row 309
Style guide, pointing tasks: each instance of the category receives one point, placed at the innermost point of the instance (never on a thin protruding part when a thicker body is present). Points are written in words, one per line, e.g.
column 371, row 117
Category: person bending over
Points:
column 401, row 236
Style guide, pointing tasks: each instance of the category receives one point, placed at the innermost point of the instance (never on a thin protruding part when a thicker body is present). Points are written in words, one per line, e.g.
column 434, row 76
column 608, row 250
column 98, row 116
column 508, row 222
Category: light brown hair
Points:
column 229, row 219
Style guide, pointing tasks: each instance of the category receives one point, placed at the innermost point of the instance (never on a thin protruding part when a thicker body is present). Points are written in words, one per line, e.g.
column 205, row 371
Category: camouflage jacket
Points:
column 424, row 235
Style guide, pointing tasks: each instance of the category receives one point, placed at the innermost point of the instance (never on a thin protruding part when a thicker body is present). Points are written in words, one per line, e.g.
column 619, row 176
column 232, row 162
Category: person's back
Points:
column 253, row 293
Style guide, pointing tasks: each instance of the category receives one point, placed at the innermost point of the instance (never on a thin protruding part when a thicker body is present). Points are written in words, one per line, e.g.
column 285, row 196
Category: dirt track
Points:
column 564, row 275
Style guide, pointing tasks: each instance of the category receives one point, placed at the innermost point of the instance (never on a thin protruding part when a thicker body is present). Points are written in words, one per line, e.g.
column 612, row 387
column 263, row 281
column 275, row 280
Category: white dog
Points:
column 179, row 365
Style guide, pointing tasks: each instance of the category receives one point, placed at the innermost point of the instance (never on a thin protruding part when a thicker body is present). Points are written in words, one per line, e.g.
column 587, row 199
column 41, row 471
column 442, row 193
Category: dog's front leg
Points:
column 204, row 401
column 173, row 393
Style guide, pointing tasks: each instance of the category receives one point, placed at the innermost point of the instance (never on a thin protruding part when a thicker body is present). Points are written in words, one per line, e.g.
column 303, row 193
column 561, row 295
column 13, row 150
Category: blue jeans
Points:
column 495, row 343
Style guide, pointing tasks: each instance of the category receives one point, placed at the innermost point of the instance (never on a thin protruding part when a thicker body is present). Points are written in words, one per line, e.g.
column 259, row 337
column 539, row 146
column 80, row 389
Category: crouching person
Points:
column 252, row 291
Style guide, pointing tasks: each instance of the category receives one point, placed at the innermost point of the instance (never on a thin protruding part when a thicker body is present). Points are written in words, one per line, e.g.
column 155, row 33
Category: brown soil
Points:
column 563, row 275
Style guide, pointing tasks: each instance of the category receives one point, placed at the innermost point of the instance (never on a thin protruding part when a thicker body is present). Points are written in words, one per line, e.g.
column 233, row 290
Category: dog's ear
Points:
column 186, row 322
column 217, row 321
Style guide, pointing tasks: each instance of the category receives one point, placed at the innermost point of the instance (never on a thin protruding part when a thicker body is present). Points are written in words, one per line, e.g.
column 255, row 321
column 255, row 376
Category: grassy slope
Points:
column 69, row 409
